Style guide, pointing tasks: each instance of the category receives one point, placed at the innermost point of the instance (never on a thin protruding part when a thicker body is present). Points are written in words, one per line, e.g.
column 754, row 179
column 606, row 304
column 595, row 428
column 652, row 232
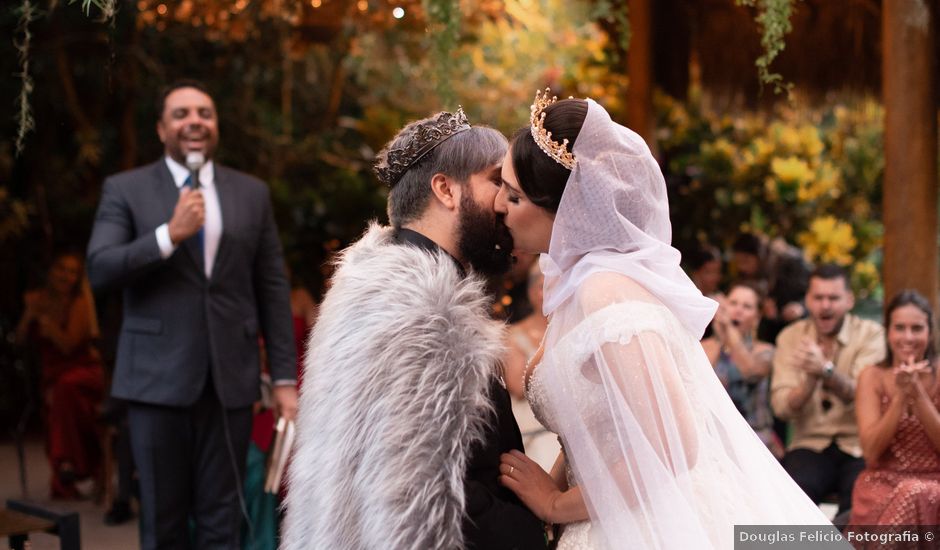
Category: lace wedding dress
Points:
column 663, row 458
column 575, row 536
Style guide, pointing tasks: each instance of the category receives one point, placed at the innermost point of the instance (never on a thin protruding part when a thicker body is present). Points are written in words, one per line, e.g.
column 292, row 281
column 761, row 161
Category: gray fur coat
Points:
column 393, row 397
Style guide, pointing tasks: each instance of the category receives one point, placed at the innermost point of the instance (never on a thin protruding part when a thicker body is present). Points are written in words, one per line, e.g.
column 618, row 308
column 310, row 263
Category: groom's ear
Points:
column 445, row 190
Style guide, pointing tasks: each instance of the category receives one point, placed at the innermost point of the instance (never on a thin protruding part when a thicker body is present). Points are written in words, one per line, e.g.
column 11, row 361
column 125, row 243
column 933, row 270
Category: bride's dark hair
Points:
column 541, row 178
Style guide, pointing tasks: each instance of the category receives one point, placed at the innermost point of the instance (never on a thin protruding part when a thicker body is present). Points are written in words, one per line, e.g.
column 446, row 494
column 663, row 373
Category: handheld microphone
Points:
column 194, row 161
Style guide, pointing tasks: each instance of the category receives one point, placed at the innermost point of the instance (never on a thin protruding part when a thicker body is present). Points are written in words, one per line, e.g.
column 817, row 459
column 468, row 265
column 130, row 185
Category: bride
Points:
column 654, row 453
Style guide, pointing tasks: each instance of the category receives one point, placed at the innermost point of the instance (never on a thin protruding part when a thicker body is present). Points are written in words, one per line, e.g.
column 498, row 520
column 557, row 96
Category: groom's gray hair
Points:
column 459, row 157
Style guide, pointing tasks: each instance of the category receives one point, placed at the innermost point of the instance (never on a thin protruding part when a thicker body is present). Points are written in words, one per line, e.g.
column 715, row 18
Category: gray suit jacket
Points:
column 177, row 323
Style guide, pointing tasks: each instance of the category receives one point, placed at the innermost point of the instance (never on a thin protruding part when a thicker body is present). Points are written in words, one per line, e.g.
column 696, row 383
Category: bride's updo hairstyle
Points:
column 541, row 177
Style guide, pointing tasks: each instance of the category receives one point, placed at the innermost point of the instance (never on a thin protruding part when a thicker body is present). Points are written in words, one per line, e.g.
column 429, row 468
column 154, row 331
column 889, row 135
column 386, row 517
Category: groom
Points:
column 402, row 417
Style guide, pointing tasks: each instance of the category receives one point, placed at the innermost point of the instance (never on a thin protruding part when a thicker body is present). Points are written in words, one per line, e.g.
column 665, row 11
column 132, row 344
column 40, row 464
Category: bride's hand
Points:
column 534, row 487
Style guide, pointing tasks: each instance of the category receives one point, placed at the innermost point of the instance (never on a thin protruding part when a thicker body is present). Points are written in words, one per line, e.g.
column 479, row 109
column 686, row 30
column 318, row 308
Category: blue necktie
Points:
column 200, row 235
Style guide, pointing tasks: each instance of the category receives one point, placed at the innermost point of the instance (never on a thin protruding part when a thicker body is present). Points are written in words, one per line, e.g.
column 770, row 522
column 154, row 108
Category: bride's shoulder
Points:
column 613, row 280
column 605, row 288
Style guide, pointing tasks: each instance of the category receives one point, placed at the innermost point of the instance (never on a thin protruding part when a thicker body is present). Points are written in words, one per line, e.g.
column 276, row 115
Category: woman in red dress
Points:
column 59, row 319
column 897, row 404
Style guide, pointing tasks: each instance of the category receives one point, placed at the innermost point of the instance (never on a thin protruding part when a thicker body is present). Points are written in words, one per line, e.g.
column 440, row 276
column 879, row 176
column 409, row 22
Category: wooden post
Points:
column 910, row 145
column 640, row 71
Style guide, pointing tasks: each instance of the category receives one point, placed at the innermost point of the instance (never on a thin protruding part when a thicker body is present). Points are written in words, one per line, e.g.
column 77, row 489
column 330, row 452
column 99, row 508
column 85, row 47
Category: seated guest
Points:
column 742, row 362
column 747, row 258
column 59, row 320
column 897, row 406
column 781, row 270
column 704, row 266
column 815, row 368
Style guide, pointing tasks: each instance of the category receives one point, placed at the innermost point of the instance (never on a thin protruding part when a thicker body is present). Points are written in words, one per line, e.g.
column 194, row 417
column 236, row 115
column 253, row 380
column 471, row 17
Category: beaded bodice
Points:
column 535, row 393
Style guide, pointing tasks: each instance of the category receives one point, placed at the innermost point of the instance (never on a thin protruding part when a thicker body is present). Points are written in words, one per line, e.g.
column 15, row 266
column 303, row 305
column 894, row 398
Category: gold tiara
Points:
column 543, row 138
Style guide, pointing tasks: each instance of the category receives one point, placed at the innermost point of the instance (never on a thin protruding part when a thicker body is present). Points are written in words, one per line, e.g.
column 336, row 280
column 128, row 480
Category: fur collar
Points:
column 394, row 396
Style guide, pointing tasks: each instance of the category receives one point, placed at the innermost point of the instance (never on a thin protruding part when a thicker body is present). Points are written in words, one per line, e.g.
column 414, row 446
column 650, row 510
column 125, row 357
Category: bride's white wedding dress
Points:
column 662, row 457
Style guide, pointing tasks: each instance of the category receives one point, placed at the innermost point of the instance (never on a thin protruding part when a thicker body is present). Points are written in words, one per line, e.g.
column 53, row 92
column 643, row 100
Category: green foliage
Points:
column 308, row 114
column 774, row 20
column 320, row 216
column 444, row 20
column 498, row 64
column 307, row 117
column 809, row 175
column 616, row 13
column 455, row 61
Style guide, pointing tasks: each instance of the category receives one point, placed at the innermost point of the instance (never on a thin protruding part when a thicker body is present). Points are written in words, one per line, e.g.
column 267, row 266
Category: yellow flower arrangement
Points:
column 744, row 167
column 828, row 240
column 786, row 175
column 679, row 117
column 791, row 170
column 724, row 148
column 810, row 143
column 788, row 138
column 809, row 175
column 826, row 182
column 865, row 278
column 770, row 190
column 763, row 149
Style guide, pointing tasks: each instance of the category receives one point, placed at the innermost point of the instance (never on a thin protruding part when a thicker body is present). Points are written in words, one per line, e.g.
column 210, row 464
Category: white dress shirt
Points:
column 212, row 230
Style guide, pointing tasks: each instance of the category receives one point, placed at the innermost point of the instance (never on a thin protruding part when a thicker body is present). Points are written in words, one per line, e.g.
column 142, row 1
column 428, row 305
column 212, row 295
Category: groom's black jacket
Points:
column 496, row 518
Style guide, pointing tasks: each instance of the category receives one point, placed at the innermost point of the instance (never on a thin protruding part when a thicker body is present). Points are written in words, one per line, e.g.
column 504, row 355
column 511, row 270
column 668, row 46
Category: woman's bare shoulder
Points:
column 873, row 375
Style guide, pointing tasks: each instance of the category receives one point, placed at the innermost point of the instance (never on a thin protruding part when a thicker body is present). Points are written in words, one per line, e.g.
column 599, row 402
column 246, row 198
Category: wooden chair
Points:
column 20, row 518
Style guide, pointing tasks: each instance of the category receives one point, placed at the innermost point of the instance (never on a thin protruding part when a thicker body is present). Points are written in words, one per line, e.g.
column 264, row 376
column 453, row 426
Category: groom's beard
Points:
column 480, row 231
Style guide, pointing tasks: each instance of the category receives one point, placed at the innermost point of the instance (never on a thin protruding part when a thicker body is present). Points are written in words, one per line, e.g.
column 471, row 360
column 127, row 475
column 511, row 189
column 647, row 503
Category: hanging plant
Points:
column 773, row 17
column 24, row 114
column 107, row 7
column 28, row 12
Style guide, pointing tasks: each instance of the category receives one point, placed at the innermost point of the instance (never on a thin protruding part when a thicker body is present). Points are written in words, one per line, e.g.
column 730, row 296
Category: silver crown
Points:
column 429, row 135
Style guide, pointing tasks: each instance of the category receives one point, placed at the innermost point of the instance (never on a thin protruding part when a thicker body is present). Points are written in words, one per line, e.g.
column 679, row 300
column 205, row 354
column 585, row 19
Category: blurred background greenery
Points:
column 309, row 90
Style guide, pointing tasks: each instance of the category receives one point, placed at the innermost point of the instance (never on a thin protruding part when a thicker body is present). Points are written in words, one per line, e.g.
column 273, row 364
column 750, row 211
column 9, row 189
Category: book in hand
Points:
column 280, row 453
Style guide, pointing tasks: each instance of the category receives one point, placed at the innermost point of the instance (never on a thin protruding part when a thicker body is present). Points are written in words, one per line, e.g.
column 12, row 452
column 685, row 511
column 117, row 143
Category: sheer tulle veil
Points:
column 614, row 216
column 663, row 458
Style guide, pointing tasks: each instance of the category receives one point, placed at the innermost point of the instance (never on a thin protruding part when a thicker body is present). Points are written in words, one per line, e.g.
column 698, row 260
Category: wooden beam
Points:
column 640, row 71
column 910, row 143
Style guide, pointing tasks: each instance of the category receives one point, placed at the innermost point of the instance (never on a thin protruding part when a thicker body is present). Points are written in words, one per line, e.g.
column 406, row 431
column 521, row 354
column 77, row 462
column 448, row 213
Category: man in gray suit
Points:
column 202, row 273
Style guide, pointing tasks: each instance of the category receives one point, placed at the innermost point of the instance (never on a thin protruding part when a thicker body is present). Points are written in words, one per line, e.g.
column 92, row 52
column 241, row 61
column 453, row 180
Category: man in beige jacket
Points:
column 817, row 362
